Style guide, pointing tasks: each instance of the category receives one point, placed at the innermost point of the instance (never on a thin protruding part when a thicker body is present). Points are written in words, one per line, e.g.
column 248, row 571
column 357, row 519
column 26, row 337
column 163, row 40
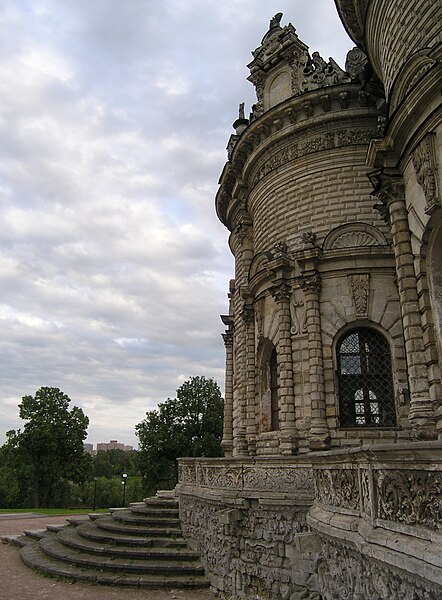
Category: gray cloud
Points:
column 114, row 117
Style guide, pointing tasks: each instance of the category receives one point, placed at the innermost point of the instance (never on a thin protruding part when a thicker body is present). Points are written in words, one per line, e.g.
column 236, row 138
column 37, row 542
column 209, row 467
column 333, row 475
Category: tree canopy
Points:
column 49, row 451
column 189, row 425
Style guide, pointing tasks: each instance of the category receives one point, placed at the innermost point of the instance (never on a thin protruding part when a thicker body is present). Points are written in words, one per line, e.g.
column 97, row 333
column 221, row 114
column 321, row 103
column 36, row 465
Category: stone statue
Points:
column 241, row 114
column 275, row 21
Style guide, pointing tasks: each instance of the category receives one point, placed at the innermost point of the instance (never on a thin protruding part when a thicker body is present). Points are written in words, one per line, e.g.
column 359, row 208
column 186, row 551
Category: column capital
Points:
column 281, row 292
column 387, row 188
column 311, row 282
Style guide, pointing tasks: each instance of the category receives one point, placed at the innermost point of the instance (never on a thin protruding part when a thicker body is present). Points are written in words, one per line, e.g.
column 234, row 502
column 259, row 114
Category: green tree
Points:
column 48, row 452
column 189, row 425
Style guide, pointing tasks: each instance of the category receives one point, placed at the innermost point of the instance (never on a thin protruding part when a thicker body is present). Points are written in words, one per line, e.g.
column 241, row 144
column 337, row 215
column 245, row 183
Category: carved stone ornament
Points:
column 297, row 313
column 410, row 496
column 317, row 73
column 311, row 283
column 281, row 293
column 425, row 165
column 360, row 291
column 308, row 238
column 338, row 487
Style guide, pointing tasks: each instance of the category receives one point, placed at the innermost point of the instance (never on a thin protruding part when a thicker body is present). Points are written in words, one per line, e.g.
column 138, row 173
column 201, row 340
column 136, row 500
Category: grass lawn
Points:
column 51, row 511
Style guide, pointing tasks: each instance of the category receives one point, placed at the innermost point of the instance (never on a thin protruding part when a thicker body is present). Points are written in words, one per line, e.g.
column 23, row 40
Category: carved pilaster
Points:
column 389, row 189
column 425, row 166
column 319, row 435
column 288, row 434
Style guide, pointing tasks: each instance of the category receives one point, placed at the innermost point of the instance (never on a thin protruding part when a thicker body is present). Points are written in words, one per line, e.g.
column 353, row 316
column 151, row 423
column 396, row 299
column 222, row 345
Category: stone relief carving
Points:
column 343, row 573
column 425, row 165
column 247, row 556
column 279, row 479
column 297, row 313
column 338, row 487
column 409, row 496
column 316, row 144
column 360, row 291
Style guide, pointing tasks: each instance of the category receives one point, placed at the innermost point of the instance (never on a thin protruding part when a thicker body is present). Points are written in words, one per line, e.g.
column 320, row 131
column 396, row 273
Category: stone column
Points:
column 249, row 350
column 389, row 189
column 288, row 434
column 319, row 435
column 227, row 441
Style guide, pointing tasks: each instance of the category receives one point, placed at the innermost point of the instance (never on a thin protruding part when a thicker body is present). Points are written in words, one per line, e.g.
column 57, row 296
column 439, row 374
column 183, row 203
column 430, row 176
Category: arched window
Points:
column 365, row 383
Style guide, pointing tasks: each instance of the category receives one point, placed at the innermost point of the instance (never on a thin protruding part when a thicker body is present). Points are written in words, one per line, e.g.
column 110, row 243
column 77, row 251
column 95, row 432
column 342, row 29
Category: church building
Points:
column 331, row 484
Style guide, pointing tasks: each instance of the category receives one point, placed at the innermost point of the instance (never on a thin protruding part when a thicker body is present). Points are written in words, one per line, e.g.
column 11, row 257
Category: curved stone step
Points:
column 111, row 524
column 34, row 558
column 52, row 547
column 113, row 537
column 155, row 511
column 70, row 537
column 161, row 502
column 140, row 519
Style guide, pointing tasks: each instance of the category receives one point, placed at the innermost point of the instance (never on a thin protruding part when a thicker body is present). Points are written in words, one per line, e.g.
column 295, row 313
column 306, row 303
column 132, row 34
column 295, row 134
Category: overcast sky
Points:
column 114, row 118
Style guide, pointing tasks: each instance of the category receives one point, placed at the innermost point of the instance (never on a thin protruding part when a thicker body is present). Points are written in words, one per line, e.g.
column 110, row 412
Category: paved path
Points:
column 19, row 582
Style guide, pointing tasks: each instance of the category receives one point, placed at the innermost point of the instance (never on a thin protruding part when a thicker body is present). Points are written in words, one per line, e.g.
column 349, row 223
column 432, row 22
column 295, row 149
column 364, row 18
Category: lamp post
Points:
column 95, row 493
column 124, row 476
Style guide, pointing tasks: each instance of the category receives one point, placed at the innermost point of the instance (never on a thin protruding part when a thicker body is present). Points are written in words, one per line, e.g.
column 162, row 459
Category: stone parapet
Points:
column 275, row 478
column 379, row 505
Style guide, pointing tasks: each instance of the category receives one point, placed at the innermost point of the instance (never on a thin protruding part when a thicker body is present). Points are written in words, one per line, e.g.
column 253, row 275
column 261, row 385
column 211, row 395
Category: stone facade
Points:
column 332, row 195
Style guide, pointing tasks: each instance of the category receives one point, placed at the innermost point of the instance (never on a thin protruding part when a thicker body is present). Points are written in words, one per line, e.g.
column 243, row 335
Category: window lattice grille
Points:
column 364, row 378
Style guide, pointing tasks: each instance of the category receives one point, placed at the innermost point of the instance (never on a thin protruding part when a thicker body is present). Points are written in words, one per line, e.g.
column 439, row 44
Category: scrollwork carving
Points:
column 338, row 487
column 410, row 496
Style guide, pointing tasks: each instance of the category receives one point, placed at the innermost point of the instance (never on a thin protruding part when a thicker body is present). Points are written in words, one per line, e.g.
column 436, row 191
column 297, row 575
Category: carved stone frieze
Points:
column 410, row 496
column 360, row 291
column 338, row 487
column 319, row 143
column 294, row 480
column 425, row 166
column 344, row 573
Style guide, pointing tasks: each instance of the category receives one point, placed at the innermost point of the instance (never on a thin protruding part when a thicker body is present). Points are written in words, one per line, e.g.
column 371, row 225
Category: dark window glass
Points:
column 364, row 380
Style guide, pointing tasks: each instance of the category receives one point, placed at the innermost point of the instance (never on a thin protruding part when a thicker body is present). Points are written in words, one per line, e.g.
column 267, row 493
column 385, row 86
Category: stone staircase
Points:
column 140, row 546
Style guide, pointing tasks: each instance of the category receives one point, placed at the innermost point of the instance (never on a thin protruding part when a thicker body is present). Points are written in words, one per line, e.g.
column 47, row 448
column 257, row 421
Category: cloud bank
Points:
column 114, row 118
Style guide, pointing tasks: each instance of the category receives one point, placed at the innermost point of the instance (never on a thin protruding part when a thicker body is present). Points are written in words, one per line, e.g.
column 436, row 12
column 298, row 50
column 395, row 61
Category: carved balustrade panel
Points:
column 338, row 487
column 411, row 497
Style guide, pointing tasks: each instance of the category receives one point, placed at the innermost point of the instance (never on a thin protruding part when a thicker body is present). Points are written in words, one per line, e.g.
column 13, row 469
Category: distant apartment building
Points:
column 113, row 445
